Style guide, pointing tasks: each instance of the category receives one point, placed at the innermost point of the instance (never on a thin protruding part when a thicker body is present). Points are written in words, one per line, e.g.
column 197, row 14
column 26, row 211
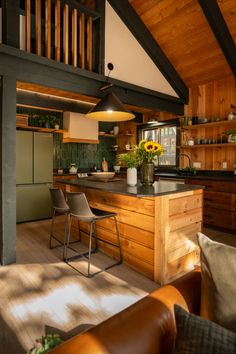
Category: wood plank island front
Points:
column 157, row 224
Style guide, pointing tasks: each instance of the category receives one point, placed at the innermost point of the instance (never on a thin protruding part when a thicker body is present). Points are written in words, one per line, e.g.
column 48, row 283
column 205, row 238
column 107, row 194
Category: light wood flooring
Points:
column 41, row 294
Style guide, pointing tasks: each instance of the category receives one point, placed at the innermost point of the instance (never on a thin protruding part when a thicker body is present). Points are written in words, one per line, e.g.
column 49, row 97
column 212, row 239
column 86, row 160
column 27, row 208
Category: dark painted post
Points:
column 11, row 23
column 8, row 170
column 100, row 8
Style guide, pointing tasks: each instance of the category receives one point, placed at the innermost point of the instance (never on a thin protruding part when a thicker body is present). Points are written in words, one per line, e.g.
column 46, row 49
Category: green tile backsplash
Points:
column 83, row 155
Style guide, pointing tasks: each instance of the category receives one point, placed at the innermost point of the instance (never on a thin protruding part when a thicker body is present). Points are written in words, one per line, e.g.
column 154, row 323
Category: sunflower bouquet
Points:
column 147, row 150
column 143, row 153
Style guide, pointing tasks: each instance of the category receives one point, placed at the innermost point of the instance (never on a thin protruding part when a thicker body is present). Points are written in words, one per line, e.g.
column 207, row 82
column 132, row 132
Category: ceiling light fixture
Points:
column 109, row 108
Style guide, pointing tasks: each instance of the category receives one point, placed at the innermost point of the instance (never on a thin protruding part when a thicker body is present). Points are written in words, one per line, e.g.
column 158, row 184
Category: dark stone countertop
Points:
column 204, row 176
column 121, row 187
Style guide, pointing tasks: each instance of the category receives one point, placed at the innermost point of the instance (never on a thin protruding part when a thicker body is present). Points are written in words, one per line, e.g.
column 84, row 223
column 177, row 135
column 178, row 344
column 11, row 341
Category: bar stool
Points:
column 80, row 209
column 60, row 206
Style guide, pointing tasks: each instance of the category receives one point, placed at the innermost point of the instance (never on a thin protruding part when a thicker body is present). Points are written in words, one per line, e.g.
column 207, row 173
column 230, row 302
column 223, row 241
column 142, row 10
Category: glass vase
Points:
column 147, row 173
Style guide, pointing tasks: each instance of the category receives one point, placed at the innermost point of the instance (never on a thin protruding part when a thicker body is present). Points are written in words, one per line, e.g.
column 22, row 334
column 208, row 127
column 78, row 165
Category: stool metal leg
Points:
column 90, row 245
column 52, row 228
column 66, row 234
column 118, row 239
column 67, row 238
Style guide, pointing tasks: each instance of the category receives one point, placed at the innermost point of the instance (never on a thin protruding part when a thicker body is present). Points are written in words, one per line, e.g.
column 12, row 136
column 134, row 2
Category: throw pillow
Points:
column 218, row 265
column 195, row 335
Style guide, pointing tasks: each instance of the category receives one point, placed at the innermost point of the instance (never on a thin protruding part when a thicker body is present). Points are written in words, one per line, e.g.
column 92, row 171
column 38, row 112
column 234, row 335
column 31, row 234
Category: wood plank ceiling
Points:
column 183, row 33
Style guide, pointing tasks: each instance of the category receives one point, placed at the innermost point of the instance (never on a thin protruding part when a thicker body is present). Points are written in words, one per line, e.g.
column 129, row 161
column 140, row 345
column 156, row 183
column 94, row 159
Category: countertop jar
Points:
column 190, row 141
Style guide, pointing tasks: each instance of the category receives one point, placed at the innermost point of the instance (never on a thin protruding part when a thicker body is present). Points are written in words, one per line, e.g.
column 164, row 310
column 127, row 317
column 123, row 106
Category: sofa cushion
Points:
column 218, row 294
column 195, row 335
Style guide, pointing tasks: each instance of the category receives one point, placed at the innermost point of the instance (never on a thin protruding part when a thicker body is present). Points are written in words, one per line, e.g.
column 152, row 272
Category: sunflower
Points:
column 149, row 146
column 157, row 147
column 141, row 144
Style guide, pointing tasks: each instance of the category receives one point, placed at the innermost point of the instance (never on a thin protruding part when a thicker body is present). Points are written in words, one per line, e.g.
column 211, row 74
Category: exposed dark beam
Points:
column 25, row 98
column 100, row 7
column 27, row 67
column 146, row 40
column 219, row 28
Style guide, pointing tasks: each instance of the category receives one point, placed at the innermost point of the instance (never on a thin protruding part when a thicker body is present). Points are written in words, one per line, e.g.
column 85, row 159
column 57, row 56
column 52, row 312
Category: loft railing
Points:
column 61, row 30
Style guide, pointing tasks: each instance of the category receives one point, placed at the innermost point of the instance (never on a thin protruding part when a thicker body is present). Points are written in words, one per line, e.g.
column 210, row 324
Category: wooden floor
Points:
column 41, row 294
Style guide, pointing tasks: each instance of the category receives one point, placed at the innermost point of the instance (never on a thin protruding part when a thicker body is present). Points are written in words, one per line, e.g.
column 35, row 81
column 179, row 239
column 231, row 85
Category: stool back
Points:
column 79, row 206
column 58, row 200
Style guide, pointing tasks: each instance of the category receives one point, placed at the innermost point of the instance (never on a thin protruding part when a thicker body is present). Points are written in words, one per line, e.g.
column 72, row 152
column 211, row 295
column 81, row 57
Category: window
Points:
column 166, row 134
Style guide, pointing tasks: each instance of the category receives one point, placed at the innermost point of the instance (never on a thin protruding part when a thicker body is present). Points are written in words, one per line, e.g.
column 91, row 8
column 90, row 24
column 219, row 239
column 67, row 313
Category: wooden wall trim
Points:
column 48, row 29
column 90, row 43
column 57, row 30
column 66, row 34
column 38, row 26
column 74, row 37
column 28, row 25
column 81, row 40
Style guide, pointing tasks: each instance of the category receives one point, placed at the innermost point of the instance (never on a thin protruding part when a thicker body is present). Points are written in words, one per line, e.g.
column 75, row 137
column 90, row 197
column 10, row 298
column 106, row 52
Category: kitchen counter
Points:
column 157, row 225
column 120, row 187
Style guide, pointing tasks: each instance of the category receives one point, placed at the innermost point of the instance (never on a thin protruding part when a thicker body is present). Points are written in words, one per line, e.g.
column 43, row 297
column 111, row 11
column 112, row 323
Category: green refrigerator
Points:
column 34, row 175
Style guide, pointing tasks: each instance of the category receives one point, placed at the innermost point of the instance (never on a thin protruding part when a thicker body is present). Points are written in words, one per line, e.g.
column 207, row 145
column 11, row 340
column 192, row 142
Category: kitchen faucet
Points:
column 189, row 160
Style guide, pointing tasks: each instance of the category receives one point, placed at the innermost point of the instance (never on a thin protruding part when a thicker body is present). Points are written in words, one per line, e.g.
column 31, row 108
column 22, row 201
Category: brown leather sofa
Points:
column 146, row 327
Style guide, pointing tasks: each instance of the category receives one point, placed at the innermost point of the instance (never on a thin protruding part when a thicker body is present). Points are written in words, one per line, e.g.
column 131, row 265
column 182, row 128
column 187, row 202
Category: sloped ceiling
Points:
column 183, row 33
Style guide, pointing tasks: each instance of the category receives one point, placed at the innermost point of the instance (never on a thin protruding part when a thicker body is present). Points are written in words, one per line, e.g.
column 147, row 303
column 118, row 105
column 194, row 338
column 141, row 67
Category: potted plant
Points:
column 131, row 161
column 52, row 121
column 45, row 343
column 231, row 136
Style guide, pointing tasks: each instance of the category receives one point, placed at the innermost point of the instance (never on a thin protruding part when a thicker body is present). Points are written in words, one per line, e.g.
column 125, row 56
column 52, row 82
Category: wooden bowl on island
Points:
column 103, row 175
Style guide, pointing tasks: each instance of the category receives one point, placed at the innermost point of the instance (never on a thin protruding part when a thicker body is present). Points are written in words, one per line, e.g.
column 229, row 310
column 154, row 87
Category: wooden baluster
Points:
column 82, row 40
column 57, row 29
column 48, row 29
column 66, row 34
column 28, row 25
column 74, row 37
column 89, row 43
column 38, row 26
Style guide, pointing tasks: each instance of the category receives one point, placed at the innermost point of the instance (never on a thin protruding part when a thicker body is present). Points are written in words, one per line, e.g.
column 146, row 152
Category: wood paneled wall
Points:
column 212, row 99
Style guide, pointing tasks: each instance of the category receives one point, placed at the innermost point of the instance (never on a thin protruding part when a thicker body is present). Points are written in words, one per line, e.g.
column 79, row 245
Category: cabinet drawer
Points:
column 219, row 200
column 219, row 186
column 226, row 219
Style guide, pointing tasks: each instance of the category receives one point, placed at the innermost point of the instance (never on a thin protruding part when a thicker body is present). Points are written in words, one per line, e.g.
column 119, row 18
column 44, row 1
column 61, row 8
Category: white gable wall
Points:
column 131, row 63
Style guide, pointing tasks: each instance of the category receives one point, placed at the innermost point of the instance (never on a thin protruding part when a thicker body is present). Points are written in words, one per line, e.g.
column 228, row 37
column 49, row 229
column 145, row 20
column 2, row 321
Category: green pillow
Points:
column 218, row 295
column 195, row 335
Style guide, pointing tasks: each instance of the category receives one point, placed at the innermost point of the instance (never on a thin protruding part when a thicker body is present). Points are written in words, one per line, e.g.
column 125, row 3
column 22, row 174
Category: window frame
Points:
column 164, row 124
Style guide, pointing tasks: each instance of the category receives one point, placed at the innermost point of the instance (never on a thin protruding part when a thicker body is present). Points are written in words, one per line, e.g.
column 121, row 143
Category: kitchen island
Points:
column 157, row 224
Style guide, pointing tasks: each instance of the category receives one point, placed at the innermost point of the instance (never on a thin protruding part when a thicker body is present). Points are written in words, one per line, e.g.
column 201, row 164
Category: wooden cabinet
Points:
column 211, row 148
column 219, row 202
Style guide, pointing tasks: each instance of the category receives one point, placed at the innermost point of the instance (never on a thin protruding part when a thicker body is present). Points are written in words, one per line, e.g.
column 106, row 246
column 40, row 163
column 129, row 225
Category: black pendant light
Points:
column 110, row 108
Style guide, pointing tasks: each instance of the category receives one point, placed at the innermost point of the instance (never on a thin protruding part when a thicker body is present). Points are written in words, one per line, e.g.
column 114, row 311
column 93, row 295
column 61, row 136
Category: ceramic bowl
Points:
column 116, row 168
